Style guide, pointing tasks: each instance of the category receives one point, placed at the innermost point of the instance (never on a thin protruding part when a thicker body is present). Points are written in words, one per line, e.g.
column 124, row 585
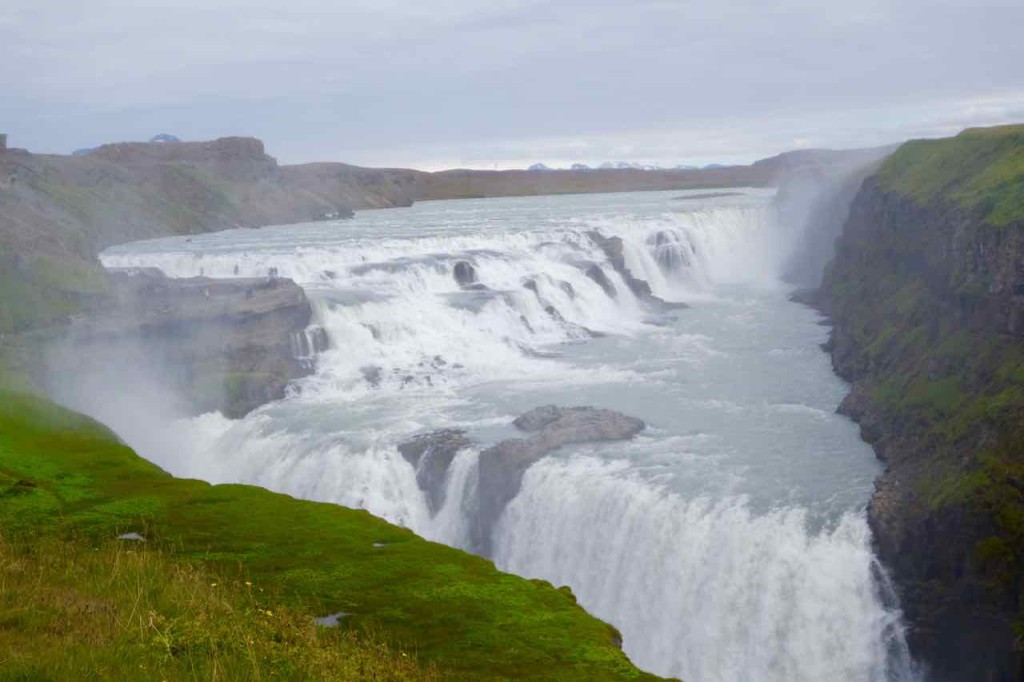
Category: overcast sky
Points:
column 442, row 83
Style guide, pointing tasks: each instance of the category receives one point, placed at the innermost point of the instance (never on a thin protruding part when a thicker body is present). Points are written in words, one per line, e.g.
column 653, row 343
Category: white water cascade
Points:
column 727, row 542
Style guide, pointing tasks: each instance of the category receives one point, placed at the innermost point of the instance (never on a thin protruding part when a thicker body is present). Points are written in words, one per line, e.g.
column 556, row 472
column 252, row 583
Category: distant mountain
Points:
column 164, row 137
column 539, row 167
column 580, row 167
column 620, row 165
column 630, row 165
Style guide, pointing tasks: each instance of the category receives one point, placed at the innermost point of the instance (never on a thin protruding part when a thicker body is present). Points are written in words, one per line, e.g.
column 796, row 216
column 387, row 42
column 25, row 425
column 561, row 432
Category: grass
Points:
column 980, row 169
column 64, row 475
column 120, row 610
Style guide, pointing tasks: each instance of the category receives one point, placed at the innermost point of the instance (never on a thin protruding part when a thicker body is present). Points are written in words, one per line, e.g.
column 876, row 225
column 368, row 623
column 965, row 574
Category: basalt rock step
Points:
column 502, row 466
column 222, row 344
column 613, row 249
column 431, row 454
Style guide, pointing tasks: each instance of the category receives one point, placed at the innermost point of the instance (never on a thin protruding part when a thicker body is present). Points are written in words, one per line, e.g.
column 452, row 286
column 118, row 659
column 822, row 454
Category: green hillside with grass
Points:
column 229, row 578
column 981, row 169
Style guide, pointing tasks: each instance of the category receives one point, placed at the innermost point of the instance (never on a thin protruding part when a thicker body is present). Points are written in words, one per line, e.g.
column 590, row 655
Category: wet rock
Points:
column 668, row 252
column 221, row 344
column 502, row 466
column 552, row 311
column 595, row 273
column 614, row 249
column 661, row 303
column 537, row 418
column 531, row 284
column 465, row 274
column 567, row 288
column 372, row 374
column 558, row 426
column 431, row 454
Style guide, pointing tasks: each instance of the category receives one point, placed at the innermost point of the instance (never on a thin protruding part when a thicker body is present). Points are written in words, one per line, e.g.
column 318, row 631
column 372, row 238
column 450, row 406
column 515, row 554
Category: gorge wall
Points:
column 926, row 293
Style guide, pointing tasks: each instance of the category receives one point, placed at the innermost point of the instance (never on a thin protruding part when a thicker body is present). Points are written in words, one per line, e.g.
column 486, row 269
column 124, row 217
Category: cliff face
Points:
column 926, row 292
column 226, row 345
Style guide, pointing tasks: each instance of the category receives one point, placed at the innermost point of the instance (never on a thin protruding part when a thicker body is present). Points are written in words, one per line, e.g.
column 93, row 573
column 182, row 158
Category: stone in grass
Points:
column 331, row 620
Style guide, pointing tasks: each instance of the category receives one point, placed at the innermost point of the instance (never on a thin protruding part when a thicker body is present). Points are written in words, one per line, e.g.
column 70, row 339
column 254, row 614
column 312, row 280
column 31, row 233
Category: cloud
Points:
column 453, row 79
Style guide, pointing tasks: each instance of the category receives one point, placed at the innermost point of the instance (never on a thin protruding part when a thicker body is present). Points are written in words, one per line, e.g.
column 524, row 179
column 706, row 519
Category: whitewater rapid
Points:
column 726, row 542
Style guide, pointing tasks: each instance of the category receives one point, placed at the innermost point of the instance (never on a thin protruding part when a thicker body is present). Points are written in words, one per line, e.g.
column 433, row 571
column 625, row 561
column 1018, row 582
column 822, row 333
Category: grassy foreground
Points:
column 119, row 610
column 67, row 485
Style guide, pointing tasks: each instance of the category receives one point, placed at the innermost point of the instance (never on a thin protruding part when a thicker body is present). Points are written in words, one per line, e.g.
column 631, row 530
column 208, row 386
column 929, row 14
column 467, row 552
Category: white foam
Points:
column 701, row 589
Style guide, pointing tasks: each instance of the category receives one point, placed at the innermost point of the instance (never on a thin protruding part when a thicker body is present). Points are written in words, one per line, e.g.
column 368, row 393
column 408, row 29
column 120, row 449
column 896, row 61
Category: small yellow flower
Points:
column 248, row 584
column 213, row 584
column 269, row 612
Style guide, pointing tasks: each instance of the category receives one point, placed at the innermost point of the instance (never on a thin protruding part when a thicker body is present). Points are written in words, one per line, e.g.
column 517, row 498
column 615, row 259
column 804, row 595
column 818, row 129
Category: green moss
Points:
column 454, row 609
column 980, row 169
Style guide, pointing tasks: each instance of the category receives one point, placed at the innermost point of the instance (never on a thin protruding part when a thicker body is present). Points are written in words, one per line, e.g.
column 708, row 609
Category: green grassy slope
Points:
column 121, row 610
column 61, row 473
column 981, row 169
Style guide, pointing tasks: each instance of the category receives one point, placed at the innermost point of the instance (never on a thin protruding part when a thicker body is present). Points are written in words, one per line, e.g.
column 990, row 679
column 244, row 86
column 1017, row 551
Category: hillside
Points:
column 57, row 212
column 65, row 476
column 926, row 295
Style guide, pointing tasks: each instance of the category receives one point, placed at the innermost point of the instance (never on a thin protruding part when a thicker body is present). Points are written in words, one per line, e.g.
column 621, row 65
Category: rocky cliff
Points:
column 926, row 292
column 226, row 345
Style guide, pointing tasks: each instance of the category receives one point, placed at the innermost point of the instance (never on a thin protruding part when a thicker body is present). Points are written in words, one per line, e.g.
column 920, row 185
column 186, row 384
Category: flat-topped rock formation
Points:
column 223, row 344
column 502, row 466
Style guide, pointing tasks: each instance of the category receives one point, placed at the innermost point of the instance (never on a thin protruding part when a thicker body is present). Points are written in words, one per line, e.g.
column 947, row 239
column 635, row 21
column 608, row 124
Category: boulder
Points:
column 465, row 274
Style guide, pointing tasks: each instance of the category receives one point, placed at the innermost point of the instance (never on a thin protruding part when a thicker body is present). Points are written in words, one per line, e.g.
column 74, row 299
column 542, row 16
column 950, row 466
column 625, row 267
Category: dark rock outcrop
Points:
column 502, row 466
column 464, row 273
column 670, row 254
column 595, row 273
column 227, row 345
column 613, row 249
column 431, row 454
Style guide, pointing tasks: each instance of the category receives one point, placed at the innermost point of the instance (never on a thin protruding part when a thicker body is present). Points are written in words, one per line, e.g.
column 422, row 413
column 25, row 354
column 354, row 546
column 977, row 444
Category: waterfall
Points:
column 704, row 589
column 662, row 537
